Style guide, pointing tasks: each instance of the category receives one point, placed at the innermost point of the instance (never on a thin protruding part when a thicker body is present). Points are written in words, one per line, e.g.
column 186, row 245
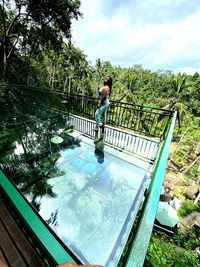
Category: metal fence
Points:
column 142, row 119
column 133, row 143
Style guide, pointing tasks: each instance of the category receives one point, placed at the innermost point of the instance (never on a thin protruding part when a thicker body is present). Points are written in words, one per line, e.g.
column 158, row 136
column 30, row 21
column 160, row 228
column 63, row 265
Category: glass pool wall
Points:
column 87, row 192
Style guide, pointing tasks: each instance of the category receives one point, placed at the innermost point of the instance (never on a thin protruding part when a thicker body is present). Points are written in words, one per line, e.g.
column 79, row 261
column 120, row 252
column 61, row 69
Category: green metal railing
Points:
column 141, row 241
column 38, row 233
column 145, row 120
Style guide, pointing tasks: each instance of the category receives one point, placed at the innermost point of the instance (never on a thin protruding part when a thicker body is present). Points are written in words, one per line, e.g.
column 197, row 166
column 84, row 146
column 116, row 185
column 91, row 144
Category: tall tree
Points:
column 176, row 97
column 194, row 98
column 99, row 71
column 30, row 25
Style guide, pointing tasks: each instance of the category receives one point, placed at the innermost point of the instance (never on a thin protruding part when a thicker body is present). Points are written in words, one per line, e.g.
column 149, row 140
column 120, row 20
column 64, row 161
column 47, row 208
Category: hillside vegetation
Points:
column 36, row 49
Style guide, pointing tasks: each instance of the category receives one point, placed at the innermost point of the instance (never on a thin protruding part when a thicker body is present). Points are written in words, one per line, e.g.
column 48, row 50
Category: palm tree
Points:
column 195, row 95
column 99, row 70
column 179, row 87
column 127, row 88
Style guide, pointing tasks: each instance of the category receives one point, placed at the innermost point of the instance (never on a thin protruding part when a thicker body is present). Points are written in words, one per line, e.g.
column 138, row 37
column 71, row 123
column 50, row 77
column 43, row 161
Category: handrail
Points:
column 79, row 95
column 144, row 230
column 145, row 120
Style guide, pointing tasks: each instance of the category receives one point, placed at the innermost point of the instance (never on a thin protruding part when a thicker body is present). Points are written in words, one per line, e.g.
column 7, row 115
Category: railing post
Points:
column 162, row 137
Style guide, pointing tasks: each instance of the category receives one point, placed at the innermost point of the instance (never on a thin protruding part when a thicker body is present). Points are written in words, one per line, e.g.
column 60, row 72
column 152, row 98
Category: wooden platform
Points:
column 15, row 250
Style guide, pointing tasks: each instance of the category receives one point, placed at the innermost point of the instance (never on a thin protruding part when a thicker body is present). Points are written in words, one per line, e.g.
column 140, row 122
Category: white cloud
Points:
column 123, row 39
column 188, row 70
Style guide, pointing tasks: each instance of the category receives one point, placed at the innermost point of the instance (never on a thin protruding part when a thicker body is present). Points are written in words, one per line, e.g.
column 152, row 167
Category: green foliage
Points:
column 37, row 55
column 179, row 84
column 25, row 34
column 163, row 253
column 189, row 147
column 189, row 241
column 187, row 208
column 29, row 128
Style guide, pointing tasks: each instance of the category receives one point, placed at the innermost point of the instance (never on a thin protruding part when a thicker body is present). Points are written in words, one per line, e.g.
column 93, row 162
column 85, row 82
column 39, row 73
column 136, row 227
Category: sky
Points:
column 158, row 34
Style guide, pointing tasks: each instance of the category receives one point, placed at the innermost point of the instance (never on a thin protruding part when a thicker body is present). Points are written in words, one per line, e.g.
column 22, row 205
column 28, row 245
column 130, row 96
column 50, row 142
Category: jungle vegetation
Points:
column 36, row 49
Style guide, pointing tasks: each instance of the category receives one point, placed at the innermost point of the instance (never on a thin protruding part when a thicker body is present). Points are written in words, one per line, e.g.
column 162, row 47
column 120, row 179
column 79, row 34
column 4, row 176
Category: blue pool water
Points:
column 95, row 201
column 88, row 192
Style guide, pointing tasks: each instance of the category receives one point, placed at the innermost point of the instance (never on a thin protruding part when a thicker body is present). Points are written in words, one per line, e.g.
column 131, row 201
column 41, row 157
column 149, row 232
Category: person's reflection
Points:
column 105, row 183
column 99, row 148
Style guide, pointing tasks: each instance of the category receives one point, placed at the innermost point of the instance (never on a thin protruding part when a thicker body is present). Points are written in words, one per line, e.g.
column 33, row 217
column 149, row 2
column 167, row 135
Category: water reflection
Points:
column 27, row 155
column 91, row 207
column 99, row 147
column 83, row 192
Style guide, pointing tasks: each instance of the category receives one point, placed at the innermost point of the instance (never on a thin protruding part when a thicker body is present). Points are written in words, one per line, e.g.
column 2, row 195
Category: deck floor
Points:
column 15, row 250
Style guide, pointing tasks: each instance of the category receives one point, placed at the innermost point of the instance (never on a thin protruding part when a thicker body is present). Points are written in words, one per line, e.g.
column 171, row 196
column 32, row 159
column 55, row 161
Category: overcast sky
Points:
column 159, row 34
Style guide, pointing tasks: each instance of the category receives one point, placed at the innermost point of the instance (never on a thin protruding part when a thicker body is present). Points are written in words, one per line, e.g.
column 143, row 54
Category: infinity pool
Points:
column 86, row 191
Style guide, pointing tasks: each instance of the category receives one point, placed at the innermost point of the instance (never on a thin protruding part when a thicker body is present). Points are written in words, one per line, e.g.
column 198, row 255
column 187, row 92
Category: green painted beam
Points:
column 55, row 249
column 141, row 242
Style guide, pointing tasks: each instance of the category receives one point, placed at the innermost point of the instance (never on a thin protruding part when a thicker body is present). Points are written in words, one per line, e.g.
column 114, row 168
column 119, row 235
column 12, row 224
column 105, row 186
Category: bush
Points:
column 161, row 253
column 187, row 208
column 188, row 241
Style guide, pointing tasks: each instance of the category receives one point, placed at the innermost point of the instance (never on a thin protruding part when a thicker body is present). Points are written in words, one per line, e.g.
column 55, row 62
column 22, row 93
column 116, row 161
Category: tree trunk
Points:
column 69, row 88
column 53, row 77
column 197, row 148
column 28, row 79
column 197, row 199
column 185, row 155
column 189, row 167
column 173, row 153
column 4, row 57
column 5, row 44
column 65, row 84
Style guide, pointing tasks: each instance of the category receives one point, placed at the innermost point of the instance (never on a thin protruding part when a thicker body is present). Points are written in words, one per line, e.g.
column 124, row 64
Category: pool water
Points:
column 86, row 191
column 95, row 201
